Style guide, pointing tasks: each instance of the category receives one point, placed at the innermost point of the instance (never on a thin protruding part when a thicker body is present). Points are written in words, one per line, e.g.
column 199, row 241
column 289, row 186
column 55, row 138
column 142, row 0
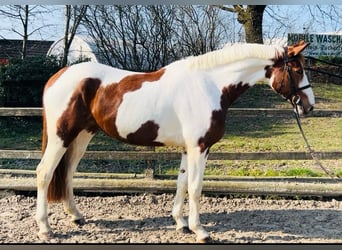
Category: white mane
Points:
column 233, row 53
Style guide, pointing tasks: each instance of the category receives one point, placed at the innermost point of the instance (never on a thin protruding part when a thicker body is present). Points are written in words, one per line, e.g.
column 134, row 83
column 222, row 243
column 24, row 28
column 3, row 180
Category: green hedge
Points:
column 332, row 59
column 22, row 81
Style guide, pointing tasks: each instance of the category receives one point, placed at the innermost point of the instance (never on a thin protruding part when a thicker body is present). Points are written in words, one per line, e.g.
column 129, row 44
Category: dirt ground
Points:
column 145, row 218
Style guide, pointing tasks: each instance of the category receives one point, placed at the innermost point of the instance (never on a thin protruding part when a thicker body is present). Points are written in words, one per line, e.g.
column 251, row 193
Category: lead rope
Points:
column 311, row 151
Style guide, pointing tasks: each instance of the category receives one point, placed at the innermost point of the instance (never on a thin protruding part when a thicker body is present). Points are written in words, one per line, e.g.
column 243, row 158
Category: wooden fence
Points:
column 25, row 180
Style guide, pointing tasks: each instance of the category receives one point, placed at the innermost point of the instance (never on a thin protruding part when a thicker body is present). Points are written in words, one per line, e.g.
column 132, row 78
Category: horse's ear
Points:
column 296, row 49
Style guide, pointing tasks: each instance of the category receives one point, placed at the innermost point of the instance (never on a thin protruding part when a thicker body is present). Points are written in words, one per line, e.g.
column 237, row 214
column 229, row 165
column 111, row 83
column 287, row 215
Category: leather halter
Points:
column 294, row 98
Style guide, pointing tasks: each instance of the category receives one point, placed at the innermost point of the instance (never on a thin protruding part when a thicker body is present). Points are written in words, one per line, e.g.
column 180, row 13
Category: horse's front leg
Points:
column 196, row 165
column 182, row 184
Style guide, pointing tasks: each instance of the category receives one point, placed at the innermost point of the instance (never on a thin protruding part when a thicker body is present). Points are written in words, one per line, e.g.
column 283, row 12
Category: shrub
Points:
column 22, row 81
column 331, row 59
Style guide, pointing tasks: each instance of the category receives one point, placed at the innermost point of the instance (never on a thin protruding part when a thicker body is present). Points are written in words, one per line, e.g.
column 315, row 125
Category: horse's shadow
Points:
column 146, row 224
column 300, row 224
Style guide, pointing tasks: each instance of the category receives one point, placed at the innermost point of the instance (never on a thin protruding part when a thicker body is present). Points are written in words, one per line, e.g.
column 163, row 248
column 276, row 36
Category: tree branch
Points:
column 225, row 8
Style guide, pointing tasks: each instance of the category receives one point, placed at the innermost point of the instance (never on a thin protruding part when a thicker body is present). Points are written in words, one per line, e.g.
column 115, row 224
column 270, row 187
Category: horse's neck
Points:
column 247, row 71
column 240, row 63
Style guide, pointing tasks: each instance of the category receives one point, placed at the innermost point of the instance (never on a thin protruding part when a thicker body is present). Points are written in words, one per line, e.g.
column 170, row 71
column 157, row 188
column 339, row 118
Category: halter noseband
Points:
column 294, row 98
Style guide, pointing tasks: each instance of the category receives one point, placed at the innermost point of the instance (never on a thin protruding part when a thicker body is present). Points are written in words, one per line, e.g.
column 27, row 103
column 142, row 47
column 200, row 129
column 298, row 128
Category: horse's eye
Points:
column 299, row 71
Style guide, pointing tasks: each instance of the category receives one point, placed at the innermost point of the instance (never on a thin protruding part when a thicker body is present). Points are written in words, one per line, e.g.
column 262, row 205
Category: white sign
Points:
column 320, row 44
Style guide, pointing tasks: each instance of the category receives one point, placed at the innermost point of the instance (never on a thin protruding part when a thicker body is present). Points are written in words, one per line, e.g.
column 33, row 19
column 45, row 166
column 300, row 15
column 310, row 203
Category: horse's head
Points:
column 287, row 77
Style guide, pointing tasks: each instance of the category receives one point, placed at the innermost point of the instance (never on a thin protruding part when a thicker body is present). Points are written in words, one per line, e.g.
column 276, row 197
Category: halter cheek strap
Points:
column 293, row 97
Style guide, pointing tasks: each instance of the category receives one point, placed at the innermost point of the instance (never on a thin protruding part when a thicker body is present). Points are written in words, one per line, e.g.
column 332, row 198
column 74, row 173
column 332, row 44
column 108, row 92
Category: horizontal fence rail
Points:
column 24, row 180
column 151, row 155
column 4, row 111
column 20, row 111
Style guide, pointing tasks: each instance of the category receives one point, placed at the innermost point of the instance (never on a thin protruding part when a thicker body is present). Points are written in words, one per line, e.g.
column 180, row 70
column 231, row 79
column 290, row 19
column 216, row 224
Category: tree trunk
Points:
column 25, row 35
column 251, row 19
column 73, row 14
column 66, row 35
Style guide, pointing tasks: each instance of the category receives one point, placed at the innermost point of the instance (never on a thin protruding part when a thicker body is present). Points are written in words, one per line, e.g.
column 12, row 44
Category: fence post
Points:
column 150, row 165
column 308, row 72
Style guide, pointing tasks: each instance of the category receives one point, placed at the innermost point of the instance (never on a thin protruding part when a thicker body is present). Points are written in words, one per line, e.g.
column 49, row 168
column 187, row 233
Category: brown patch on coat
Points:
column 218, row 117
column 77, row 116
column 106, row 103
column 145, row 135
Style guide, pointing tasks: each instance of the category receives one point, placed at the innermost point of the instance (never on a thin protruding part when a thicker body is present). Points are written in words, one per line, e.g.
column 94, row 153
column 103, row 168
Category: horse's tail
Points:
column 58, row 188
column 44, row 133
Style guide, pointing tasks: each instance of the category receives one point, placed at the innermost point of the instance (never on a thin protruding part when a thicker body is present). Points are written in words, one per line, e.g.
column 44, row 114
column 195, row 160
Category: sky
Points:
column 293, row 19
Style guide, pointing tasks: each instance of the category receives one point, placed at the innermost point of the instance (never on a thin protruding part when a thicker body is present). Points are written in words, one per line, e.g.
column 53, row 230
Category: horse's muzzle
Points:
column 301, row 110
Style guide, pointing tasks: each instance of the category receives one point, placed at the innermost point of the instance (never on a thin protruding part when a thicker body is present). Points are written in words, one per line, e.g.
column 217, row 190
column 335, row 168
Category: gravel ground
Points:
column 145, row 218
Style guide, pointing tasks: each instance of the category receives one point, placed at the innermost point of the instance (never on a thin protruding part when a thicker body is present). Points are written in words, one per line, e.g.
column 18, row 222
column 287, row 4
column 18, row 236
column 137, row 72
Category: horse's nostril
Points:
column 311, row 108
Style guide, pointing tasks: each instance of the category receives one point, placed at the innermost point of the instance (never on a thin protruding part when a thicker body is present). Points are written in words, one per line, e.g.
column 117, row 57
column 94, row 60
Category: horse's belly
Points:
column 145, row 124
column 150, row 132
column 171, row 137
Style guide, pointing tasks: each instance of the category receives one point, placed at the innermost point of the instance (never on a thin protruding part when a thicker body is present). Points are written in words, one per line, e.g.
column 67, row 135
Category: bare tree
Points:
column 144, row 38
column 131, row 37
column 107, row 25
column 326, row 15
column 251, row 17
column 23, row 13
column 200, row 29
column 159, row 35
column 73, row 18
column 19, row 12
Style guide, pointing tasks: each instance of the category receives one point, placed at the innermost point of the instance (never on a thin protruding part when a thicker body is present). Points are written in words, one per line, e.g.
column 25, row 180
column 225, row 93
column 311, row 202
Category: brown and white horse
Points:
column 182, row 104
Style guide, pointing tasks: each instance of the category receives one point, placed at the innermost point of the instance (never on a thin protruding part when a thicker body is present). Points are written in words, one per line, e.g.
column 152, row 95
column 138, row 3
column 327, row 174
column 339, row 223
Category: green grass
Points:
column 258, row 168
column 328, row 96
column 274, row 134
column 302, row 172
column 243, row 134
column 269, row 172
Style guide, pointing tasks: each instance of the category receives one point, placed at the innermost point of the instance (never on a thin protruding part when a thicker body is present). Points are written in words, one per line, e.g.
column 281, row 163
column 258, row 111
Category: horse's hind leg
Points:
column 74, row 153
column 45, row 171
column 182, row 185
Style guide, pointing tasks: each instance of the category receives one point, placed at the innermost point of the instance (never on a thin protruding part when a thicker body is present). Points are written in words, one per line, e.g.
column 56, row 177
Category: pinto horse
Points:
column 182, row 104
